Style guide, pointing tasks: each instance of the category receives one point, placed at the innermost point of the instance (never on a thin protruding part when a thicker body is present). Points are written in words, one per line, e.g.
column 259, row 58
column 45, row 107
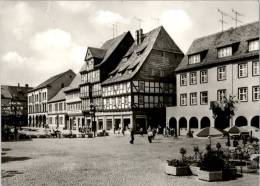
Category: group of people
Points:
column 168, row 131
column 151, row 132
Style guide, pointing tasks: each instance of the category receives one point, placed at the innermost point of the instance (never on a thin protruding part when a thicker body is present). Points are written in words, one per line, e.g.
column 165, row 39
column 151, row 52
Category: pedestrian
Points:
column 132, row 136
column 150, row 135
column 164, row 131
column 123, row 131
column 141, row 131
column 154, row 132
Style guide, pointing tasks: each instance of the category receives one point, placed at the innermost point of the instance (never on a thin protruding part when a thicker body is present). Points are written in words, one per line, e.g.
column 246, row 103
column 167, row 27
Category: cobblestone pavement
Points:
column 100, row 161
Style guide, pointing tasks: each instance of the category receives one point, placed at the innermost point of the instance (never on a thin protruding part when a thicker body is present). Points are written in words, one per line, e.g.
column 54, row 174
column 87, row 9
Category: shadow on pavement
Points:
column 6, row 159
column 6, row 149
column 10, row 173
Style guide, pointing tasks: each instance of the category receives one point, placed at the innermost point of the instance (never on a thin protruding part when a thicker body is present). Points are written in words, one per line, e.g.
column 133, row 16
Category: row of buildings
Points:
column 148, row 81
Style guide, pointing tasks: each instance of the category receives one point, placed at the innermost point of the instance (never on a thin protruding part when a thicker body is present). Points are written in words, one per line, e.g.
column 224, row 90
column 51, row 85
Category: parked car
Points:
column 68, row 134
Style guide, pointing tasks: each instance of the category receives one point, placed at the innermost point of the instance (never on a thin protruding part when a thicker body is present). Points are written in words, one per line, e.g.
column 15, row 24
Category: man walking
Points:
column 132, row 136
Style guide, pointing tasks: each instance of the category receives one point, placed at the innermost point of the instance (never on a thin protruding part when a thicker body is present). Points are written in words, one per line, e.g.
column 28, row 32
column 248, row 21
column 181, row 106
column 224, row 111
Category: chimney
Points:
column 18, row 85
column 137, row 37
column 26, row 85
column 141, row 36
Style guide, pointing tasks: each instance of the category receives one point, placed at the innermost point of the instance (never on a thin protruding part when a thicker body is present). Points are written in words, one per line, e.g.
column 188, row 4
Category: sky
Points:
column 43, row 38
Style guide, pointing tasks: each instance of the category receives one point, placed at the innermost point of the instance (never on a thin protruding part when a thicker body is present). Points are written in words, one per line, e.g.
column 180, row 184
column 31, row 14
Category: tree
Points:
column 224, row 109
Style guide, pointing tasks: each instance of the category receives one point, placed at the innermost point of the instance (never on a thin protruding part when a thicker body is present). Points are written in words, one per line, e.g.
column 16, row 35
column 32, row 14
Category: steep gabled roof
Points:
column 60, row 96
column 74, row 84
column 49, row 81
column 15, row 92
column 210, row 44
column 106, row 49
column 135, row 57
column 97, row 52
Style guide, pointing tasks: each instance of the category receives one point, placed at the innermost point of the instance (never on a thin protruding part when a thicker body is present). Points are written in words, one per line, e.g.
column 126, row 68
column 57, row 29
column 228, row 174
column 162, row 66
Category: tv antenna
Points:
column 236, row 16
column 139, row 21
column 222, row 18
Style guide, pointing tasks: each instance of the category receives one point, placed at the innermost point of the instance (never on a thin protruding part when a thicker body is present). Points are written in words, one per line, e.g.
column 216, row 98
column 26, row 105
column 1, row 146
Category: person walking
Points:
column 132, row 136
column 150, row 135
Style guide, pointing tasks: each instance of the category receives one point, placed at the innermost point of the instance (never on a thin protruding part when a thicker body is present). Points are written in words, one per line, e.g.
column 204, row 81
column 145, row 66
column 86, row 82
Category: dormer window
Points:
column 253, row 45
column 225, row 52
column 193, row 59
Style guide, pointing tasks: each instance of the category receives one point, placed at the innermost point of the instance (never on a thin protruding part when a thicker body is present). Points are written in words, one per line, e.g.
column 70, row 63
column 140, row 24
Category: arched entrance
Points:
column 255, row 121
column 36, row 120
column 241, row 121
column 205, row 122
column 30, row 121
column 194, row 123
column 183, row 123
column 40, row 121
column 173, row 123
column 33, row 121
column 44, row 120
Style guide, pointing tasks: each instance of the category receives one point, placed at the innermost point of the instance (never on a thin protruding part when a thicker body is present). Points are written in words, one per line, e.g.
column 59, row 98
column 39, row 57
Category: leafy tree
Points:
column 225, row 108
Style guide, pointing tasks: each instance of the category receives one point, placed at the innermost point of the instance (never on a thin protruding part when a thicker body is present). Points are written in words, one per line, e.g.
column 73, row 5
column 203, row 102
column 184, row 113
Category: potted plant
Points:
column 211, row 166
column 195, row 162
column 178, row 167
column 229, row 171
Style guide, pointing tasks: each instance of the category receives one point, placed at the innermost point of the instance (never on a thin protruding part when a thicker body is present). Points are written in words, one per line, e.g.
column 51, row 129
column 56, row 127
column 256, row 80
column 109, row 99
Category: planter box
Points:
column 210, row 176
column 230, row 173
column 194, row 170
column 177, row 171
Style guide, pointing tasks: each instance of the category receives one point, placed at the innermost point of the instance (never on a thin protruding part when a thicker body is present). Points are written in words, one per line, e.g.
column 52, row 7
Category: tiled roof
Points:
column 134, row 58
column 19, row 93
column 74, row 84
column 60, row 96
column 210, row 44
column 107, row 49
column 50, row 80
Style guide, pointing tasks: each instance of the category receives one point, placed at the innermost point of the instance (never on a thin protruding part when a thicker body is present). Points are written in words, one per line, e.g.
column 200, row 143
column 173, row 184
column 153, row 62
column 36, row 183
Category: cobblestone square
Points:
column 100, row 161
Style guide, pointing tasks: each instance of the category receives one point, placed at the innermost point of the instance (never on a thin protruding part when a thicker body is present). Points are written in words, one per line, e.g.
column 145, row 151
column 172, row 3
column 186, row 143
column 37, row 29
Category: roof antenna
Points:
column 222, row 18
column 236, row 15
column 139, row 21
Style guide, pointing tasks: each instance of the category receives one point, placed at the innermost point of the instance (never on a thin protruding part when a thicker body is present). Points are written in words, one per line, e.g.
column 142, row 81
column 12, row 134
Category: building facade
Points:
column 75, row 116
column 57, row 112
column 135, row 92
column 39, row 96
column 218, row 65
column 14, row 105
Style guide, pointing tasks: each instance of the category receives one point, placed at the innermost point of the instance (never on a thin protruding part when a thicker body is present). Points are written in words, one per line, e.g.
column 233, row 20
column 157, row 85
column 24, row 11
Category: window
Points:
column 221, row 73
column 204, row 98
column 193, row 78
column 141, row 101
column 50, row 120
column 242, row 70
column 256, row 68
column 193, row 59
column 183, row 99
column 224, row 52
column 253, row 45
column 156, row 87
column 183, row 79
column 151, row 87
column 147, row 87
column 50, row 107
column 141, row 86
column 204, row 76
column 256, row 93
column 221, row 93
column 193, row 98
column 242, row 94
column 60, row 106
